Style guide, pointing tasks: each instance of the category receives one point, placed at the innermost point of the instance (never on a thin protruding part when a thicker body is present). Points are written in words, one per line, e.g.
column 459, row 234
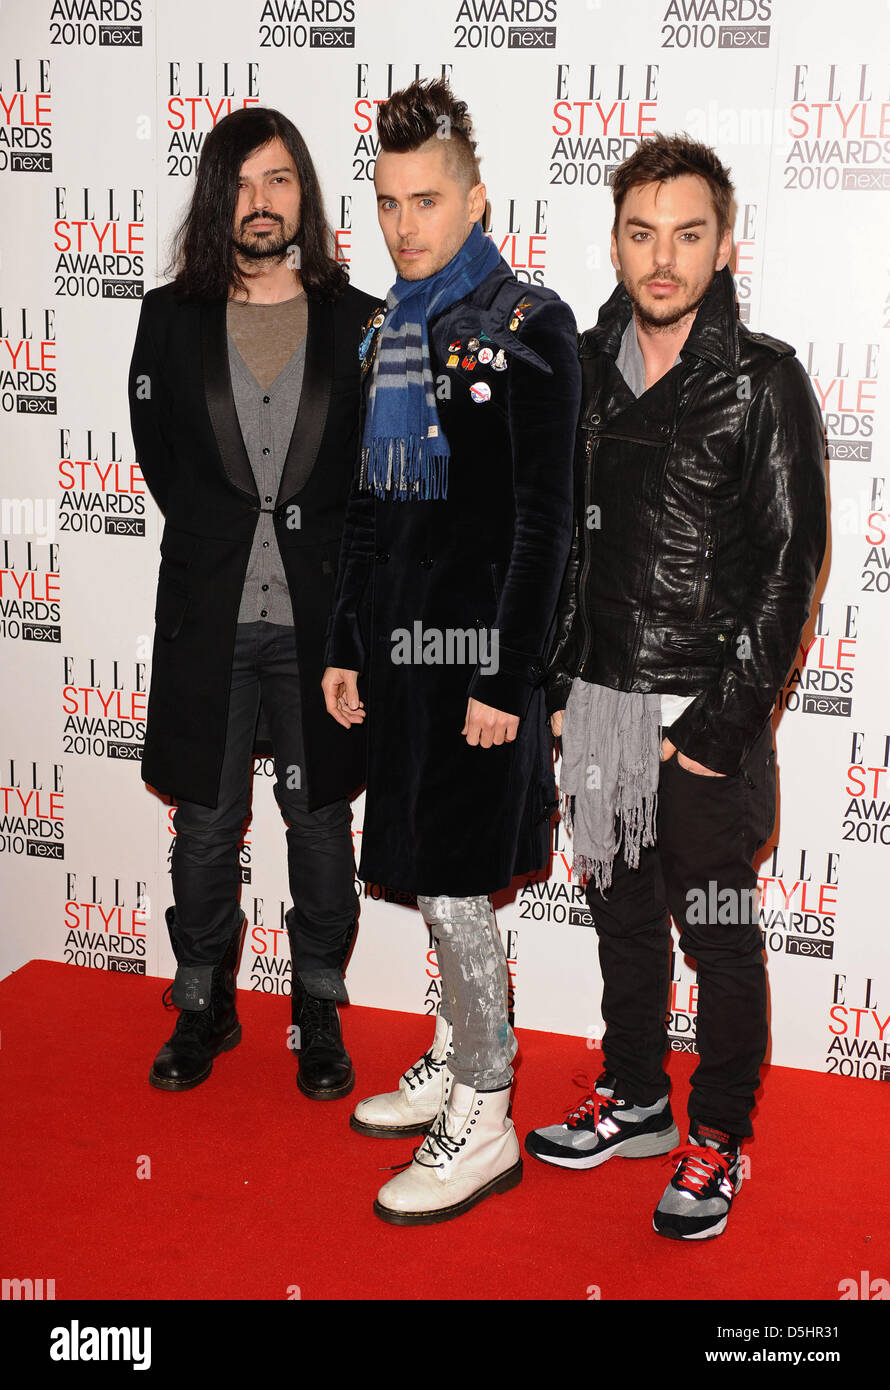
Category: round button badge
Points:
column 481, row 392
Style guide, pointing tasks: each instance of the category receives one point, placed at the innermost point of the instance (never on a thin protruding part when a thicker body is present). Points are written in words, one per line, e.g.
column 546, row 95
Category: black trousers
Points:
column 205, row 865
column 708, row 831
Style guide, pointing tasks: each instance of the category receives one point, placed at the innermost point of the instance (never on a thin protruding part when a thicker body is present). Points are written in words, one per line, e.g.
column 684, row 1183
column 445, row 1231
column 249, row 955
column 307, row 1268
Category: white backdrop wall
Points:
column 103, row 108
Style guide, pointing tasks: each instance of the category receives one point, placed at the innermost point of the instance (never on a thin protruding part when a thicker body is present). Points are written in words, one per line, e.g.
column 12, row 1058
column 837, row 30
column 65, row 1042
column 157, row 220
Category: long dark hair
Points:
column 203, row 256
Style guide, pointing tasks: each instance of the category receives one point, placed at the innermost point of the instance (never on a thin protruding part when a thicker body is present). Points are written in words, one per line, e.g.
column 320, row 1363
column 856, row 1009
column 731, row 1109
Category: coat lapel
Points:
column 221, row 399
column 314, row 397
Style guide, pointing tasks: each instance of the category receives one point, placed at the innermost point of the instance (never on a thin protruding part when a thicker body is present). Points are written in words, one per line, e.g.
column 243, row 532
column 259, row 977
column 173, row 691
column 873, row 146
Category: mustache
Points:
column 261, row 217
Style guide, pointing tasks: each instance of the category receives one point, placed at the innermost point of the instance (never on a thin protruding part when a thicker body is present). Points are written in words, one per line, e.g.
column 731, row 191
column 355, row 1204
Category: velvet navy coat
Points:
column 189, row 445
column 442, row 817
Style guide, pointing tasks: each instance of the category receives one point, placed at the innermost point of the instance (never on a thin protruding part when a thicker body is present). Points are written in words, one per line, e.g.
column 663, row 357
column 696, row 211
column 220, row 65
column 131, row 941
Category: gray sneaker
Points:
column 696, row 1201
column 601, row 1127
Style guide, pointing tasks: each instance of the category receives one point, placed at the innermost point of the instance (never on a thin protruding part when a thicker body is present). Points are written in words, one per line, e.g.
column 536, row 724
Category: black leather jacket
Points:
column 700, row 527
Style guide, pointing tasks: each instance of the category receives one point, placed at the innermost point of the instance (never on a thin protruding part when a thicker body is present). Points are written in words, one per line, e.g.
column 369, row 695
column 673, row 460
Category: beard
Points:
column 671, row 314
column 265, row 245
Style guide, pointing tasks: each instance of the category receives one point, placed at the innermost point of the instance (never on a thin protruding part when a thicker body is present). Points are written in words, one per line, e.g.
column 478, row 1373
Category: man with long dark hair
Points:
column 457, row 538
column 244, row 396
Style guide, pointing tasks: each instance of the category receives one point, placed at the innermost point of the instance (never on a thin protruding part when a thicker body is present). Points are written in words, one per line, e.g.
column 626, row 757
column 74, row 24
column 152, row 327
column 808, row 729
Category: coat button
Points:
column 381, row 557
column 595, row 419
column 426, row 563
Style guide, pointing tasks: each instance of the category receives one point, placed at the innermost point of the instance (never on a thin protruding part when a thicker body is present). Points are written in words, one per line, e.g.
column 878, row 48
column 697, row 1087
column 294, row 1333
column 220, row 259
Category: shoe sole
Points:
column 707, row 1234
column 389, row 1131
column 163, row 1083
column 505, row 1182
column 643, row 1146
column 329, row 1092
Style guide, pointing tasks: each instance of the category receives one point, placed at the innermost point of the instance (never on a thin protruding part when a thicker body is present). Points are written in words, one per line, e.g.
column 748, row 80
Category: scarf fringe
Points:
column 636, row 830
column 599, row 870
column 416, row 472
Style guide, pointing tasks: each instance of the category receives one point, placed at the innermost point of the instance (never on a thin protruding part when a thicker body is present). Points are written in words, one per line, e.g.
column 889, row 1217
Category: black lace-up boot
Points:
column 325, row 1067
column 208, row 1021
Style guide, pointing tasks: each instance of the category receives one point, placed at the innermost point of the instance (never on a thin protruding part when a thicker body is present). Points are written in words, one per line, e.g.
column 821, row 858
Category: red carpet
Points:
column 255, row 1190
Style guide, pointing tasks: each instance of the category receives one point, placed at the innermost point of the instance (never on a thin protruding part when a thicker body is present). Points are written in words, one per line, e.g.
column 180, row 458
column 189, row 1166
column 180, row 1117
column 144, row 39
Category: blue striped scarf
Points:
column 404, row 450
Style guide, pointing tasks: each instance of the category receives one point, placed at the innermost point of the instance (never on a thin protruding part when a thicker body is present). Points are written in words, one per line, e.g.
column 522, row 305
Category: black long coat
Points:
column 189, row 445
column 441, row 816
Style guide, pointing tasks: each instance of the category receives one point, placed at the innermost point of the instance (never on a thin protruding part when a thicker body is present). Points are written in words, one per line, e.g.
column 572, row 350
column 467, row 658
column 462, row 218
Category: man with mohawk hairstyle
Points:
column 460, row 523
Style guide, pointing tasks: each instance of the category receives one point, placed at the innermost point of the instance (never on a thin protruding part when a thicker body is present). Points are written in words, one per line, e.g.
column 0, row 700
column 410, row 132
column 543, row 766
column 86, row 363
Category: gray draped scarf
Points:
column 611, row 758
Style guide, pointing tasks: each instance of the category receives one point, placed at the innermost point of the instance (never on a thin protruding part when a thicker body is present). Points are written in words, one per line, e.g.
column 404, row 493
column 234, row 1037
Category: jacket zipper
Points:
column 585, row 568
column 705, row 576
column 631, row 439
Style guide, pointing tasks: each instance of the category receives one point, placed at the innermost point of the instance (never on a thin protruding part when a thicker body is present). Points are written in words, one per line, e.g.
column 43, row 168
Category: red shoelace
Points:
column 697, row 1166
column 593, row 1105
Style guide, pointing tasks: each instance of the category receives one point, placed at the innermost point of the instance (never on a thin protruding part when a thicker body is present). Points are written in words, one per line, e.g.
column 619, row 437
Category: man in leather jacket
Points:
column 700, row 531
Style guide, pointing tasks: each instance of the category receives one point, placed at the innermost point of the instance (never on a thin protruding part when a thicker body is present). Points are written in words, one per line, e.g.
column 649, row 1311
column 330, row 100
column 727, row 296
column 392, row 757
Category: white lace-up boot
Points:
column 423, row 1091
column 470, row 1153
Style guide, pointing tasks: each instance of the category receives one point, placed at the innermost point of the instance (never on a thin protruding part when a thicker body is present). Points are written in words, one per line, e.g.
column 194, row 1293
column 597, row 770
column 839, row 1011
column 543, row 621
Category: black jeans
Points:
column 205, row 866
column 709, row 829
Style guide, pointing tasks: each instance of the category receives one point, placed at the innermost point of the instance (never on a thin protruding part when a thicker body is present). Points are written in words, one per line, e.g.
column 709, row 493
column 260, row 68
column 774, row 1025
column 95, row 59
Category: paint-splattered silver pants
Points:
column 474, row 989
